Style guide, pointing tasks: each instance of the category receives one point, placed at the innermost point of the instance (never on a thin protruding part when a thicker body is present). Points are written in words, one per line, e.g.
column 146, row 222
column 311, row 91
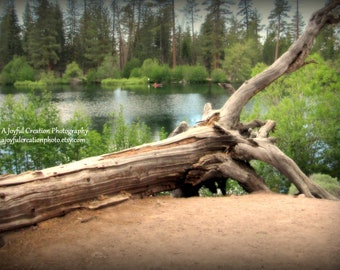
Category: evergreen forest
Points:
column 113, row 39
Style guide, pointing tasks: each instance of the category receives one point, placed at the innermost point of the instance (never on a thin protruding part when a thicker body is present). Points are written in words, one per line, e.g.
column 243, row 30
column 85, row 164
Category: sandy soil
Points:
column 249, row 232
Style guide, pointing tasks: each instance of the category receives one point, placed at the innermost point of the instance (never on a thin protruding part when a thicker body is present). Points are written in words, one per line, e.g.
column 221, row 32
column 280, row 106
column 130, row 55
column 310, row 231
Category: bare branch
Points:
column 290, row 61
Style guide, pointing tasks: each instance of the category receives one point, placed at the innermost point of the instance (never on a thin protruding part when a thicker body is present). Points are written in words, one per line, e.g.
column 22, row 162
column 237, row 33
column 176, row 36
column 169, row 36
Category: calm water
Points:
column 163, row 107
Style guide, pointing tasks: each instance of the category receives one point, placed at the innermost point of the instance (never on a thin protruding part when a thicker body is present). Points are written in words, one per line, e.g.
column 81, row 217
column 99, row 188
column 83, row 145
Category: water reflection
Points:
column 163, row 107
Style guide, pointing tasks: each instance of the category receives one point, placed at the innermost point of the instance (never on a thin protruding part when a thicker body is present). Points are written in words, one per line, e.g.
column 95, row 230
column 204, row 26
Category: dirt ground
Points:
column 257, row 231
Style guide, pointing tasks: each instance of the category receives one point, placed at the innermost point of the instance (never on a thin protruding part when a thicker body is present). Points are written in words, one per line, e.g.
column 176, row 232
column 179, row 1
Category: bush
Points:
column 72, row 71
column 49, row 78
column 120, row 135
column 156, row 72
column 136, row 73
column 217, row 75
column 17, row 70
column 177, row 73
column 148, row 65
column 92, row 76
column 196, row 74
column 325, row 181
column 108, row 69
column 160, row 74
column 130, row 65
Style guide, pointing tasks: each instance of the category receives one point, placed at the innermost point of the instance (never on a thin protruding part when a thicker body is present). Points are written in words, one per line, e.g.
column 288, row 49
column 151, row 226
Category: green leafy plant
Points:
column 195, row 74
column 218, row 75
column 72, row 71
column 17, row 70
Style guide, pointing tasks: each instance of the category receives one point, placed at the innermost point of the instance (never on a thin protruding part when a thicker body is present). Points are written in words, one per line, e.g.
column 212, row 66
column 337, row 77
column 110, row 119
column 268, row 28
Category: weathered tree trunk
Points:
column 218, row 147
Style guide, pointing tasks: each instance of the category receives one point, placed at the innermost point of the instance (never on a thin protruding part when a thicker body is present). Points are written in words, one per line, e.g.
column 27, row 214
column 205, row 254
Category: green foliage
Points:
column 233, row 188
column 49, row 78
column 91, row 76
column 44, row 37
column 274, row 179
column 136, row 72
column 95, row 36
column 108, row 68
column 40, row 85
column 130, row 65
column 323, row 180
column 163, row 134
column 126, row 135
column 88, row 144
column 304, row 105
column 33, row 137
column 177, row 74
column 73, row 71
column 120, row 82
column 19, row 120
column 239, row 60
column 10, row 41
column 218, row 75
column 17, row 70
column 258, row 68
column 156, row 72
column 195, row 74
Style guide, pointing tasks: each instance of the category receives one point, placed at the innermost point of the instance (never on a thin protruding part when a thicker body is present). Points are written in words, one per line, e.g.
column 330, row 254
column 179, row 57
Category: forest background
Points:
column 221, row 41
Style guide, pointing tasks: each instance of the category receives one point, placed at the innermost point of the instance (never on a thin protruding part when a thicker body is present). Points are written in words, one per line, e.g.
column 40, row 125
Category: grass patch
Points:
column 123, row 82
column 30, row 84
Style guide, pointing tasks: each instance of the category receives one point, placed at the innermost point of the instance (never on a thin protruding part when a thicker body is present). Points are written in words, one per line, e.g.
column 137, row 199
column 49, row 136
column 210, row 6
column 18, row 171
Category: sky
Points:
column 307, row 7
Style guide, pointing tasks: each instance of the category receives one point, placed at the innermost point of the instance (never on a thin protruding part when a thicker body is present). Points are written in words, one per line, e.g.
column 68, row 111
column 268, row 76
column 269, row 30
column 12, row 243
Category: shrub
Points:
column 217, row 75
column 177, row 73
column 156, row 72
column 196, row 74
column 160, row 74
column 136, row 72
column 17, row 70
column 108, row 69
column 148, row 65
column 72, row 71
column 130, row 65
column 92, row 76
column 120, row 135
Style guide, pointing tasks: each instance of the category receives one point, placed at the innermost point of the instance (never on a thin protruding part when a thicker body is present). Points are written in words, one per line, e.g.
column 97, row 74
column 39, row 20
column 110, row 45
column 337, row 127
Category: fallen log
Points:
column 31, row 197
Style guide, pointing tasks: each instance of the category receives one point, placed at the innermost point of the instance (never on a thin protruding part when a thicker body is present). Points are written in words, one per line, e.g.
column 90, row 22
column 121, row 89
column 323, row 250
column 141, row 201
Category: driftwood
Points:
column 218, row 147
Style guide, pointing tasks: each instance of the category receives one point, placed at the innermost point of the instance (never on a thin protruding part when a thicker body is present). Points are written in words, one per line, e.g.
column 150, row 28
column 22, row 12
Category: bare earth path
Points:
column 258, row 231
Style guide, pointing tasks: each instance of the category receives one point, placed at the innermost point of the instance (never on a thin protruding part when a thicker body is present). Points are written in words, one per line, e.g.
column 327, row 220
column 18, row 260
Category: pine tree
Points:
column 145, row 45
column 60, row 38
column 10, row 42
column 277, row 18
column 191, row 11
column 28, row 27
column 46, row 44
column 297, row 23
column 95, row 34
column 214, row 29
column 255, row 26
column 72, row 43
column 245, row 9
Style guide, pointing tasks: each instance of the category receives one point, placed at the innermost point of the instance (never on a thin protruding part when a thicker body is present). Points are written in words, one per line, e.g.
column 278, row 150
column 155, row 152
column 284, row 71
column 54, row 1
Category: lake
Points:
column 163, row 107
